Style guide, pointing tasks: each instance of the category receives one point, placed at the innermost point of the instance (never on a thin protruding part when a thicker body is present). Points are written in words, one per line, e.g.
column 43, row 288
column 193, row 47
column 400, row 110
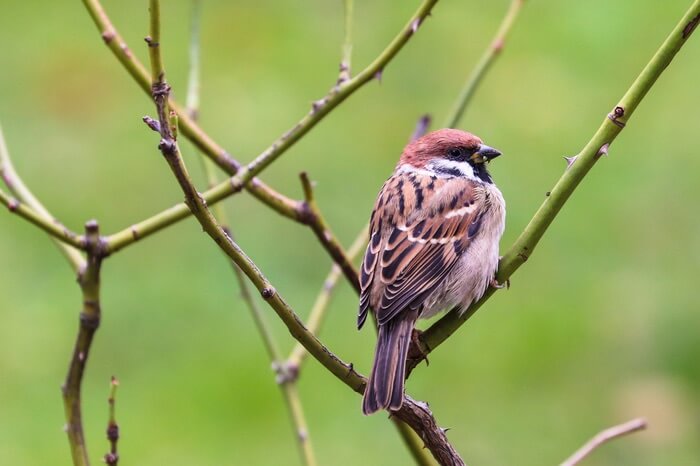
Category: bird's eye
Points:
column 455, row 152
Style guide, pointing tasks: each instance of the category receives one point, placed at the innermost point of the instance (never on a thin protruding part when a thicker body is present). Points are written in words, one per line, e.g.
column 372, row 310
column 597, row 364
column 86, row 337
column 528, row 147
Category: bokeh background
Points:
column 600, row 326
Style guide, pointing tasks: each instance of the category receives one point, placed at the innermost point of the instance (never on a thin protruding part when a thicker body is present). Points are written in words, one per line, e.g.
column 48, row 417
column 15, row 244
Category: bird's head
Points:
column 450, row 152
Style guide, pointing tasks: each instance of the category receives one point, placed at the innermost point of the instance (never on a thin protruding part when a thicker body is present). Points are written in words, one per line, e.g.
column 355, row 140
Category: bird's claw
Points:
column 498, row 286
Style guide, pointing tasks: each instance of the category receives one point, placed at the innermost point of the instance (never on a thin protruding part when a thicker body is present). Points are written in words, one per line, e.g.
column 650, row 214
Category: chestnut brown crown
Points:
column 438, row 144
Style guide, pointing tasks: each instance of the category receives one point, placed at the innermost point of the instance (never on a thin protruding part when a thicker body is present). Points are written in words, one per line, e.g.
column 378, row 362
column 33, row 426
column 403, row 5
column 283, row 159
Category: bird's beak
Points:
column 485, row 154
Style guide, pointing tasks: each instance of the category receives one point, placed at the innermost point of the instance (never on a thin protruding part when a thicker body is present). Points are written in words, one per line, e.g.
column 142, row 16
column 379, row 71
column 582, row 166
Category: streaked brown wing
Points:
column 409, row 259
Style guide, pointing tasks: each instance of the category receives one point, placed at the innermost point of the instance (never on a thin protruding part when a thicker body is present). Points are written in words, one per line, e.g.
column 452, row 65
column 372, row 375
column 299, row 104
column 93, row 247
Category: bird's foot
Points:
column 416, row 348
column 498, row 286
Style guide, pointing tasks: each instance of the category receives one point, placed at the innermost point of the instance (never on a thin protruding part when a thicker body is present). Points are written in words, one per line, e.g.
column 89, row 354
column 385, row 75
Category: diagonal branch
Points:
column 245, row 178
column 414, row 414
column 577, row 169
column 26, row 205
column 605, row 436
column 318, row 311
column 323, row 232
column 482, row 67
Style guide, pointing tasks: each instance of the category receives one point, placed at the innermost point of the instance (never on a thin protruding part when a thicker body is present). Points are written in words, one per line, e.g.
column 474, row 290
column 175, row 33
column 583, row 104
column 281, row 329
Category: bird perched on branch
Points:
column 434, row 235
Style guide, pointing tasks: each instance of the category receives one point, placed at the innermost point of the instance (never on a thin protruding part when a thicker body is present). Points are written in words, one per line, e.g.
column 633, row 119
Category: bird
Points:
column 433, row 245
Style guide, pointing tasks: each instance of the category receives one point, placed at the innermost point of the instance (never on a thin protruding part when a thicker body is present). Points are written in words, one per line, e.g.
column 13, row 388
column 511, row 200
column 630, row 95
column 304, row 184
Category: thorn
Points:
column 414, row 25
column 570, row 161
column 548, row 193
column 318, row 105
column 421, row 126
column 603, row 150
column 445, row 429
column 497, row 45
column 378, row 75
column 81, row 356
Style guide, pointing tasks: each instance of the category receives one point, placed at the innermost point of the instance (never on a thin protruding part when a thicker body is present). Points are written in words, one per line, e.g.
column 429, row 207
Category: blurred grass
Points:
column 601, row 325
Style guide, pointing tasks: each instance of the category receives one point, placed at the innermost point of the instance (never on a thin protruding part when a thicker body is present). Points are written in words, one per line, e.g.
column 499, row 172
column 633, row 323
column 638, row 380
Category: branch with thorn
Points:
column 577, row 168
column 414, row 415
column 244, row 175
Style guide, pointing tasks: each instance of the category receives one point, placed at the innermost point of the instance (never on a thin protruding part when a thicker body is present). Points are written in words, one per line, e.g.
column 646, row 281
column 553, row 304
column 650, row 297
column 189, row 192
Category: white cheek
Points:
column 442, row 165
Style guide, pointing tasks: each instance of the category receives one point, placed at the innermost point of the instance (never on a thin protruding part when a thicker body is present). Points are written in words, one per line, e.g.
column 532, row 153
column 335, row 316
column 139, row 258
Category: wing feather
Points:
column 408, row 257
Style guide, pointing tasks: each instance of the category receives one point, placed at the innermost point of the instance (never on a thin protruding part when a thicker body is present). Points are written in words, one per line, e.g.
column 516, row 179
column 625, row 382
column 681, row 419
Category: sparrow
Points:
column 434, row 235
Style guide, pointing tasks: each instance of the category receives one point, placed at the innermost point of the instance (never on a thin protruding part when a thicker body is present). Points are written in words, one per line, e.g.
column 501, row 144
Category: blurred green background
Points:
column 600, row 326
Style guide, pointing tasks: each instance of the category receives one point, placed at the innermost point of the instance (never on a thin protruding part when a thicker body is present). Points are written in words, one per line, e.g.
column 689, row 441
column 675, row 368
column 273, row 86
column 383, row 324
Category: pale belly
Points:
column 472, row 275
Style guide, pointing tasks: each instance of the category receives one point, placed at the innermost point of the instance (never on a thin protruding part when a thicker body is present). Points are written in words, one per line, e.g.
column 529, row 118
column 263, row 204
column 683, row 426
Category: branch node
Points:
column 614, row 116
column 151, row 43
column 267, row 292
column 151, row 123
column 108, row 36
column 690, row 27
column 285, row 372
column 90, row 321
column 167, row 147
column 13, row 205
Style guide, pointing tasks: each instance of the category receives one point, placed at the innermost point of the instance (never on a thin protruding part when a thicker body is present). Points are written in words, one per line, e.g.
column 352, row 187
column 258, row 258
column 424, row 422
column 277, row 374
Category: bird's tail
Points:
column 385, row 386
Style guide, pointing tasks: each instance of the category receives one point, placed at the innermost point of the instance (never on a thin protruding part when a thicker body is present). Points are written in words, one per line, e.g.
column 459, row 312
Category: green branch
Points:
column 27, row 206
column 416, row 415
column 578, row 167
column 245, row 178
column 314, row 218
column 286, row 382
column 89, row 281
column 487, row 59
column 320, row 306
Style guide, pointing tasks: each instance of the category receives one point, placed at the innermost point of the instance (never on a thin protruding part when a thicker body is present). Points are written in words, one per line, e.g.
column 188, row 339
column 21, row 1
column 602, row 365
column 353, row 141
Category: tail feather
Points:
column 386, row 382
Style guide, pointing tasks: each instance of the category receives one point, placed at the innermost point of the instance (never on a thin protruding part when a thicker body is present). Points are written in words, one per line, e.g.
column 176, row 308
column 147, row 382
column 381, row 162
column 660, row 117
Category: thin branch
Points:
column 188, row 127
column 285, row 380
column 89, row 280
column 487, row 59
column 422, row 126
column 346, row 60
column 597, row 146
column 245, row 178
column 28, row 206
column 192, row 101
column 417, row 416
column 318, row 311
column 414, row 443
column 605, row 436
column 314, row 218
column 112, row 458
